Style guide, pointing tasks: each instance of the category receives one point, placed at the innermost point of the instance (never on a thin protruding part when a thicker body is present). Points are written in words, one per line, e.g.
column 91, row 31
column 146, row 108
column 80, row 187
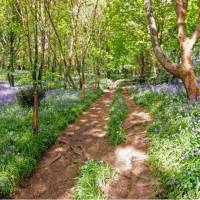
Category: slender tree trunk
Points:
column 67, row 75
column 35, row 110
column 34, row 74
column 98, row 77
column 142, row 67
column 11, row 61
column 82, row 81
column 42, row 59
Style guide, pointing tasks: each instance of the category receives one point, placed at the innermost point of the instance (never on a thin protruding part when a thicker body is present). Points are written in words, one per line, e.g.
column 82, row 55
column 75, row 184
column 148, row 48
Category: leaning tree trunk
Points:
column 184, row 70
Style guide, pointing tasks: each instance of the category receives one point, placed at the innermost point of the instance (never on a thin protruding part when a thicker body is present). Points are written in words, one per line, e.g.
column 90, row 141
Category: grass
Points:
column 93, row 177
column 20, row 148
column 118, row 113
column 174, row 142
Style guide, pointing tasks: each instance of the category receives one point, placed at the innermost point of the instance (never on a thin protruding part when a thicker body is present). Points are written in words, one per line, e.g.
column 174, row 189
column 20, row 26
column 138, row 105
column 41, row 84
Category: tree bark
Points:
column 184, row 70
column 191, row 84
column 35, row 110
column 11, row 60
column 35, row 70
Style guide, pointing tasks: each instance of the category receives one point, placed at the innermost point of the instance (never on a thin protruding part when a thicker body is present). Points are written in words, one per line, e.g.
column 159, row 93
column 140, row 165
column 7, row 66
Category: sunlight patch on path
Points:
column 125, row 156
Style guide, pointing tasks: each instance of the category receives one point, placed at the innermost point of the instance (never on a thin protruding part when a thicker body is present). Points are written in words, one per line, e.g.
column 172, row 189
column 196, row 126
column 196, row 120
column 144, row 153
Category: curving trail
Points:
column 54, row 178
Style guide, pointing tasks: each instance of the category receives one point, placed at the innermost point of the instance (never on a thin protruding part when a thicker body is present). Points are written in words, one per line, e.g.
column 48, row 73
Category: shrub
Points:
column 25, row 97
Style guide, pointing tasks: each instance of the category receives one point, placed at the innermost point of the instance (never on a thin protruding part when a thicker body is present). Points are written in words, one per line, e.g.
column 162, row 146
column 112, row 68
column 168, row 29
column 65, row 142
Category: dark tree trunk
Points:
column 11, row 61
column 142, row 67
column 35, row 110
column 35, row 74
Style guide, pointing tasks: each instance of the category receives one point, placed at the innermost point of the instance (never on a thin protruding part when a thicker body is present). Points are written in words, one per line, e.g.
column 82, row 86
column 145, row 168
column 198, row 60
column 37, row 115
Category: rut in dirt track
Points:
column 134, row 179
column 55, row 175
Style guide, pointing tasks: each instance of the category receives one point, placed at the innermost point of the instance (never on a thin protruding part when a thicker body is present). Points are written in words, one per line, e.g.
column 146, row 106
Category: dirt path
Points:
column 134, row 179
column 55, row 175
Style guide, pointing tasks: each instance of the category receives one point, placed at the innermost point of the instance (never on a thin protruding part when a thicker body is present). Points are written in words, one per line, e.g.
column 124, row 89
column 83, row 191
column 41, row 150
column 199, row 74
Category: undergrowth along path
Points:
column 134, row 179
column 86, row 139
column 54, row 178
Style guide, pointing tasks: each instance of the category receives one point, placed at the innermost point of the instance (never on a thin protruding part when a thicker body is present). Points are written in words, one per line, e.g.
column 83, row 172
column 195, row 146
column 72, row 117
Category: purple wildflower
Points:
column 11, row 147
column 196, row 152
column 6, row 153
column 186, row 157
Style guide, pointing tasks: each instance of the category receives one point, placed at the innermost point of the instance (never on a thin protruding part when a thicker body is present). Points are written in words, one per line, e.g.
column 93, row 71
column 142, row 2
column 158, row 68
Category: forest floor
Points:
column 54, row 178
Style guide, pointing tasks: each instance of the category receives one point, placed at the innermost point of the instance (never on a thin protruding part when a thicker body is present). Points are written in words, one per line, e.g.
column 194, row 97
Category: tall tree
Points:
column 183, row 70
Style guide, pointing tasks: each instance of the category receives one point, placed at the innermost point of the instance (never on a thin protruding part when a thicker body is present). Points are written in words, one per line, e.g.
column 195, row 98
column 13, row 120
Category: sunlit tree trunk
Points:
column 184, row 70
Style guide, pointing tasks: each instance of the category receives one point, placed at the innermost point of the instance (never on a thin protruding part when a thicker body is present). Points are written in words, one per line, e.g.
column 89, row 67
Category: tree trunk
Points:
column 191, row 86
column 11, row 60
column 82, row 89
column 35, row 110
column 184, row 70
column 190, row 82
column 82, row 83
column 142, row 67
column 11, row 81
column 35, row 74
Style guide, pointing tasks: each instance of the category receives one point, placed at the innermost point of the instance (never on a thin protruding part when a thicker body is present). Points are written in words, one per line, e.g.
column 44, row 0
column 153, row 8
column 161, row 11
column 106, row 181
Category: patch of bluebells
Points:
column 7, row 93
column 7, row 152
column 175, row 138
column 173, row 88
column 192, row 153
column 62, row 97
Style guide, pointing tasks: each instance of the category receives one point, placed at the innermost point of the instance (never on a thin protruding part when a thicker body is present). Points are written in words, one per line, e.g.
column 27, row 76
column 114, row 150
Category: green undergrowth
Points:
column 20, row 148
column 118, row 113
column 92, row 179
column 174, row 142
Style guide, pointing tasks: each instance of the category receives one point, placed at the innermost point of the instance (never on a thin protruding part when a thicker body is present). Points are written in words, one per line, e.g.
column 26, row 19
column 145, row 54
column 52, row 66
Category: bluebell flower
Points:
column 11, row 147
column 186, row 157
column 6, row 154
column 196, row 152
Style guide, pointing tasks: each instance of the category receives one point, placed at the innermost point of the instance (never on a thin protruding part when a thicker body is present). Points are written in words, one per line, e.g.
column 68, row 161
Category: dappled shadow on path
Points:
column 55, row 175
column 134, row 179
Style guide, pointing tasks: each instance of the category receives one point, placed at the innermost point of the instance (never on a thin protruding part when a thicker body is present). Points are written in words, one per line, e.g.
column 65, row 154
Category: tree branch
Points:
column 181, row 7
column 169, row 65
column 196, row 34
